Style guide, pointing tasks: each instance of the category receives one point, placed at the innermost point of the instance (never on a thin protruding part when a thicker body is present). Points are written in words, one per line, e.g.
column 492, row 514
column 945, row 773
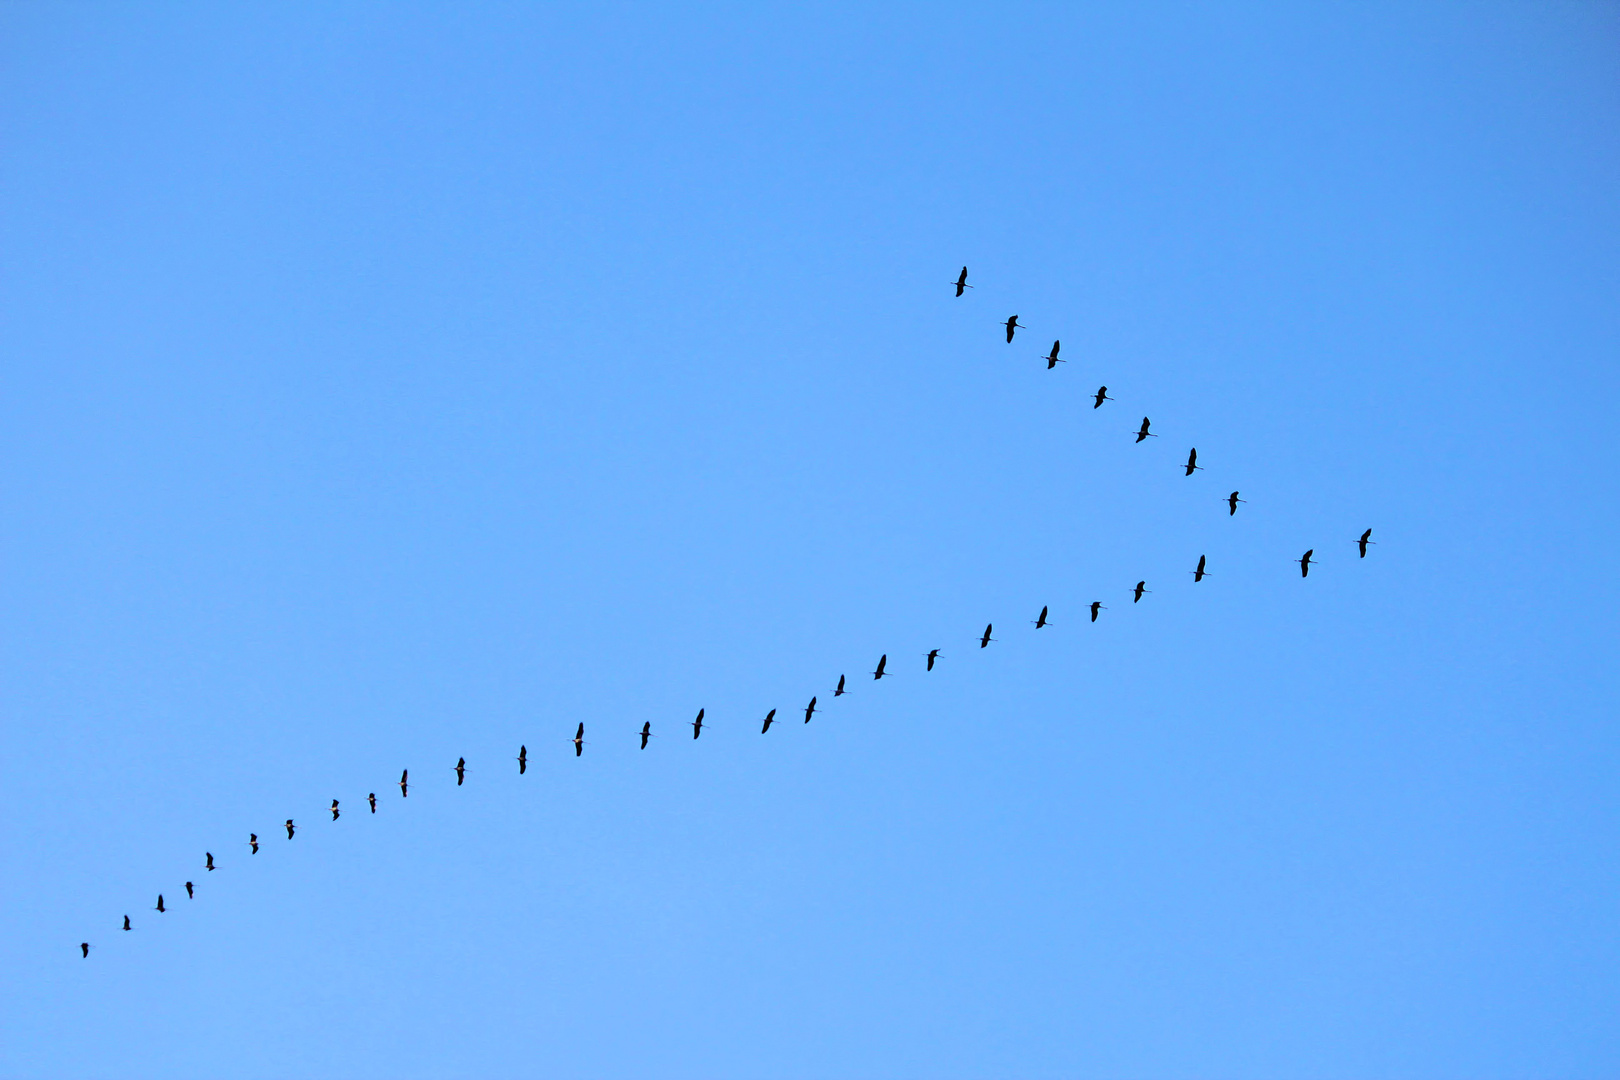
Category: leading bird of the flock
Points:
column 1198, row 574
column 1012, row 327
column 1192, row 462
column 1040, row 622
column 1051, row 358
column 461, row 770
column 1306, row 562
column 883, row 662
column 1141, row 587
column 697, row 725
column 126, row 923
column 371, row 798
column 1366, row 538
column 334, row 810
column 523, row 759
column 770, row 718
column 840, row 691
column 1096, row 606
column 1102, row 396
column 1144, row 433
column 961, row 282
column 253, row 842
column 160, row 907
column 986, row 639
column 405, row 784
column 209, row 864
column 84, row 947
column 1231, row 503
column 933, row 654
column 290, row 828
column 810, row 709
column 646, row 733
column 579, row 739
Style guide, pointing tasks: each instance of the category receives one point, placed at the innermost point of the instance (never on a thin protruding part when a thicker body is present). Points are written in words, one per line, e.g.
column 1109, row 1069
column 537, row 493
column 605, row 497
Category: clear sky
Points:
column 389, row 384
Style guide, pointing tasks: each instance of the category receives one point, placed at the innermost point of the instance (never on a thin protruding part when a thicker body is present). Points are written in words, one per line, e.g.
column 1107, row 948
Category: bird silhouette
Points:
column 646, row 733
column 579, row 739
column 1040, row 622
column 1051, row 358
column 1096, row 606
column 840, row 691
column 290, row 828
column 1144, row 433
column 1366, row 538
column 1012, row 326
column 987, row 639
column 404, row 784
column 1305, row 563
column 253, row 842
column 697, row 725
column 334, row 810
column 810, row 709
column 84, row 947
column 523, row 759
column 461, row 770
column 1141, row 587
column 209, row 865
column 1192, row 462
column 160, row 906
column 1198, row 574
column 1102, row 396
column 126, row 923
column 371, row 798
column 769, row 718
column 961, row 282
column 189, row 894
column 883, row 662
column 933, row 654
column 1231, row 503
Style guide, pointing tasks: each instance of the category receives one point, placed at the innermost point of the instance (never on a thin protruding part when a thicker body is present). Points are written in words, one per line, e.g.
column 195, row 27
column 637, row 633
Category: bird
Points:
column 1145, row 433
column 1305, row 563
column 1192, row 462
column 1012, row 326
column 579, row 739
column 646, row 733
column 1102, row 396
column 840, row 691
column 697, row 725
column 290, row 827
column 1041, row 621
column 126, row 923
column 769, row 717
column 961, row 282
column 1198, row 574
column 1366, row 538
column 987, row 639
column 1051, row 358
column 189, row 894
column 334, row 810
column 810, row 709
column 404, row 784
column 253, row 842
column 461, row 770
column 160, row 907
column 1096, row 606
column 1231, row 503
column 371, row 798
column 84, row 947
column 933, row 654
column 1141, row 587
column 882, row 663
column 209, row 865
column 523, row 759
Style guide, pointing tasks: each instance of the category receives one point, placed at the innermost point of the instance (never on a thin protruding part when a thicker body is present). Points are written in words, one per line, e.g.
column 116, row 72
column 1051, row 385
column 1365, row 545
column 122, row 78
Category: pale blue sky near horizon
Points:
column 386, row 384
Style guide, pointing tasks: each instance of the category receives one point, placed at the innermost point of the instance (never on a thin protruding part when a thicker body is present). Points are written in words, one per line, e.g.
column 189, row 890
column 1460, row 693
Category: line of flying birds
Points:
column 1012, row 326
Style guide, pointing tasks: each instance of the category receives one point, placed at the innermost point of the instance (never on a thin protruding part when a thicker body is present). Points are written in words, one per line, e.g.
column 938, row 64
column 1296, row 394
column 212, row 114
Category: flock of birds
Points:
column 1012, row 326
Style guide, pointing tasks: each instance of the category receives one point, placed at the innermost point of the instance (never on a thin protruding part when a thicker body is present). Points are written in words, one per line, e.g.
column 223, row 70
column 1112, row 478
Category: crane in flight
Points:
column 1102, row 396
column 883, row 662
column 461, row 770
column 579, row 739
column 697, row 725
column 371, row 798
column 1366, row 538
column 1231, row 503
column 1141, row 587
column 84, row 947
column 334, row 810
column 840, row 691
column 190, row 895
column 1306, row 562
column 1096, row 606
column 646, row 733
column 1198, row 574
column 160, row 906
column 209, row 864
column 770, row 718
column 961, row 282
column 810, row 709
column 1192, row 462
column 933, row 654
column 523, row 759
column 1144, row 433
column 1040, row 623
column 1051, row 358
column 126, row 923
column 290, row 828
column 404, row 784
column 1012, row 327
column 253, row 842
column 986, row 639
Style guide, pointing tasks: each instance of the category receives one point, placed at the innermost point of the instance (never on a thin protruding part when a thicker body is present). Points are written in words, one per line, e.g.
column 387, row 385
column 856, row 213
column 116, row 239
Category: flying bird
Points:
column 1040, row 623
column 840, row 691
column 933, row 654
column 646, row 733
column 1305, row 562
column 1231, row 503
column 1012, row 326
column 404, row 784
column 810, row 709
column 769, row 717
column 210, row 864
column 1096, row 606
column 1144, row 433
column 1366, row 538
column 882, row 663
column 160, row 906
column 961, row 282
column 334, row 810
column 523, row 759
column 189, row 894
column 1192, row 462
column 1102, row 396
column 461, row 770
column 697, row 725
column 1198, row 574
column 84, row 947
column 1141, row 587
column 372, row 799
column 987, row 639
column 126, row 923
column 1051, row 358
column 253, row 842
column 290, row 828
column 579, row 739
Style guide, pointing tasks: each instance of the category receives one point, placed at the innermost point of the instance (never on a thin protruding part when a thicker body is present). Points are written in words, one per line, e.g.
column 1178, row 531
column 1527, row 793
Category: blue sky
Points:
column 385, row 385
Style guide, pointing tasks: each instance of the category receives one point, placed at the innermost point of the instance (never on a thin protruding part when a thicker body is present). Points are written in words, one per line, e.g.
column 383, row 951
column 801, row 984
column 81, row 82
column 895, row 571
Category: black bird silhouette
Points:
column 253, row 842
column 1144, row 433
column 334, row 810
column 987, row 639
column 810, row 709
column 189, row 894
column 1198, row 574
column 882, row 663
column 961, row 282
column 84, row 947
column 1231, row 503
column 1096, row 606
column 461, row 770
column 404, row 784
column 160, row 906
column 126, row 922
column 372, row 799
column 1192, row 462
column 769, row 717
column 840, row 691
column 523, row 759
column 933, row 654
column 1141, row 587
column 646, row 733
column 1041, row 621
column 1305, row 562
column 1011, row 325
column 290, row 827
column 1051, row 358
column 1366, row 538
column 1102, row 396
column 579, row 739
column 697, row 725
column 209, row 865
